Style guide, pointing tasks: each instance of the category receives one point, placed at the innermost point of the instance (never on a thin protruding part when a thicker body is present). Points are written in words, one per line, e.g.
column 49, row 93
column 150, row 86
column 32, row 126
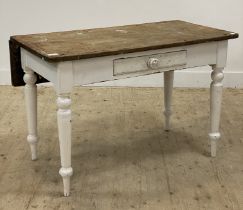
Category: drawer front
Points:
column 149, row 63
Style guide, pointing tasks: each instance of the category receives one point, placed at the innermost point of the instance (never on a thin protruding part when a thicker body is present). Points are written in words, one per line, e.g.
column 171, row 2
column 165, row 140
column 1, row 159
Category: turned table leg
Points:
column 168, row 87
column 216, row 90
column 31, row 109
column 64, row 130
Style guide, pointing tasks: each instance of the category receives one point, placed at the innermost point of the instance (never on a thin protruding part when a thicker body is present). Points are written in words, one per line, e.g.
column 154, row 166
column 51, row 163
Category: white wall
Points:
column 32, row 16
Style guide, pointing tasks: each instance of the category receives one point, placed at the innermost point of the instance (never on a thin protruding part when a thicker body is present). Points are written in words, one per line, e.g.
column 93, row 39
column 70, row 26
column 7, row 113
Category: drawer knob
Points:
column 153, row 63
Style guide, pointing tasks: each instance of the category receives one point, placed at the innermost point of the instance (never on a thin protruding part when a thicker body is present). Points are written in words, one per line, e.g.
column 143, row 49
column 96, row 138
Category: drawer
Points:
column 149, row 63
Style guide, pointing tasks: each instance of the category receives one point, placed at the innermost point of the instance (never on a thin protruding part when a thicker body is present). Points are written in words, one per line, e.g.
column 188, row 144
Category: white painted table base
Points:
column 64, row 75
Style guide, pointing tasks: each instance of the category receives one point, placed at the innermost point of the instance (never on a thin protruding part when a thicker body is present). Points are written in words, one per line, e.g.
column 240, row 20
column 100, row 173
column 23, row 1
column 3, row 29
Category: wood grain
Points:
column 81, row 44
column 122, row 157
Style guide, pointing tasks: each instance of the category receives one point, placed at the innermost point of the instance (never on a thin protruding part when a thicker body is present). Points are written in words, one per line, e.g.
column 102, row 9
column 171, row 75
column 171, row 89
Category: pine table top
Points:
column 88, row 43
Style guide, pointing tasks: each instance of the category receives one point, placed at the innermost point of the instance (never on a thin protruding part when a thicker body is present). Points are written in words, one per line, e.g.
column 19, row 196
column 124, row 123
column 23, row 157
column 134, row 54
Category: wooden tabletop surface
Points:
column 81, row 44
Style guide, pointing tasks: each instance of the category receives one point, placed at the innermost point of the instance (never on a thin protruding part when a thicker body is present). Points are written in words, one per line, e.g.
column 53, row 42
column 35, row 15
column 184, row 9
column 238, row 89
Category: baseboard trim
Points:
column 192, row 78
column 197, row 77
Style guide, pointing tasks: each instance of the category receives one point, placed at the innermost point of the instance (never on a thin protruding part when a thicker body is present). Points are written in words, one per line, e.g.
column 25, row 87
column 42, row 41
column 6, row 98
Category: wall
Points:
column 28, row 16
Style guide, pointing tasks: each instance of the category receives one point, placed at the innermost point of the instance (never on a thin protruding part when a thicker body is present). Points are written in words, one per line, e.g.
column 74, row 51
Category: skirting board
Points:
column 195, row 78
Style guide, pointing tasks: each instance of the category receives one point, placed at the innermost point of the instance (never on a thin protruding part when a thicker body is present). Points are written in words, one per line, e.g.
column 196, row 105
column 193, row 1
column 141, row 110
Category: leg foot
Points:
column 66, row 185
column 31, row 109
column 33, row 146
column 66, row 173
column 168, row 87
column 216, row 90
column 214, row 137
column 64, row 130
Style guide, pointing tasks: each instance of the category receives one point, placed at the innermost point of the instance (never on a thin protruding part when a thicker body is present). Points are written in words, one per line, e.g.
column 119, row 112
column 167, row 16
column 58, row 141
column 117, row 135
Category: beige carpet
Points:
column 121, row 156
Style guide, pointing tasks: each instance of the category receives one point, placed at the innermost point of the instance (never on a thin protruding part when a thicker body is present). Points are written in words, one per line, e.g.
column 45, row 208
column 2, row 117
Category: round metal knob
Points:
column 153, row 63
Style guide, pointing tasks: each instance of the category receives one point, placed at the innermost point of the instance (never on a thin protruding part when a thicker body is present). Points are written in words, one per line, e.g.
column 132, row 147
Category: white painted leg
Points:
column 216, row 90
column 168, row 87
column 64, row 130
column 31, row 109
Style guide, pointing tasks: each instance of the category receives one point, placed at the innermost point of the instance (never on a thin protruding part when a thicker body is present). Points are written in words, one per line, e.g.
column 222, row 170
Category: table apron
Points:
column 92, row 70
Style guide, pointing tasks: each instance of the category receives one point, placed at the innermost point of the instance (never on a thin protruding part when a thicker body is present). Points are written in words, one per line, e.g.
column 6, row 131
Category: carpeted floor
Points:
column 122, row 157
